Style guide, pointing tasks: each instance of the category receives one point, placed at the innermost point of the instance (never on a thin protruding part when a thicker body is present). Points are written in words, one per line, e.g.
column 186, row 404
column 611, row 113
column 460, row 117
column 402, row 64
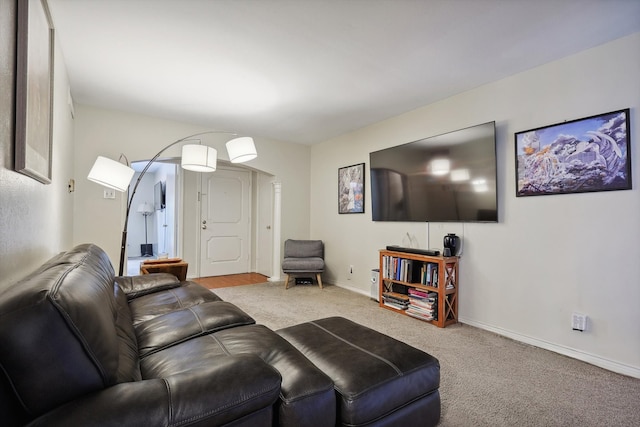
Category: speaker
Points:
column 375, row 284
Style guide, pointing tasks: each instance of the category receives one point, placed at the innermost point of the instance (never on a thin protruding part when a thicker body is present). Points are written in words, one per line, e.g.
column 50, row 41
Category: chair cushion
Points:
column 302, row 265
column 303, row 249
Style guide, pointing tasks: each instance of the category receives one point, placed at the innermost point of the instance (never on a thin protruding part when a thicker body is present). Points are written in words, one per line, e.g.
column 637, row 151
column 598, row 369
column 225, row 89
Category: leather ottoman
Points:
column 379, row 381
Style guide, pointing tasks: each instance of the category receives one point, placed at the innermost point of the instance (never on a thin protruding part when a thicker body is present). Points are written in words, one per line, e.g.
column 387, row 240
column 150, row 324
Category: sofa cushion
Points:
column 306, row 398
column 136, row 286
column 238, row 391
column 128, row 361
column 61, row 317
column 155, row 304
column 178, row 326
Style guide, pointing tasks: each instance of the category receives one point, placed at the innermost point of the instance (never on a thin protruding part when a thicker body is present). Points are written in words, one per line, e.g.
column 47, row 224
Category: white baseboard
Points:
column 593, row 359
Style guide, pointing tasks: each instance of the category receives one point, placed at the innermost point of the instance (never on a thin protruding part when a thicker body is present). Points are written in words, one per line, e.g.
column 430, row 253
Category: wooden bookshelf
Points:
column 435, row 275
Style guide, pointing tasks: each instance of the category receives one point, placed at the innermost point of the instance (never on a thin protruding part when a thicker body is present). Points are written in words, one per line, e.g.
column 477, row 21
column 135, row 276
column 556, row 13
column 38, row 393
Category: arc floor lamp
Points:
column 195, row 157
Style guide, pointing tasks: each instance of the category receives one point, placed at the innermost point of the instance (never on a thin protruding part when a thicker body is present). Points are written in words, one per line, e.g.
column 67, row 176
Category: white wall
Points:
column 548, row 256
column 35, row 219
column 109, row 133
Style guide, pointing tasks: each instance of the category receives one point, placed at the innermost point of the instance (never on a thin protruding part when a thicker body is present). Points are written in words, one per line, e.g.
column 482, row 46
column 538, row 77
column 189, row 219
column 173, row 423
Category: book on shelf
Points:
column 433, row 313
column 422, row 295
column 419, row 293
column 422, row 316
column 423, row 305
column 395, row 305
column 401, row 269
column 423, row 310
column 395, row 300
column 429, row 274
column 396, row 296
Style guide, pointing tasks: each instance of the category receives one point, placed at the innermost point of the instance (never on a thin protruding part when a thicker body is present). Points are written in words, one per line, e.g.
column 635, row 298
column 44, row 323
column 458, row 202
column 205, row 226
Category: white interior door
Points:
column 225, row 223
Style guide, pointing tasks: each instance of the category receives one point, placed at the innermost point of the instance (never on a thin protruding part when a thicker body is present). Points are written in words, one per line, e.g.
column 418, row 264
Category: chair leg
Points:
column 319, row 277
column 286, row 281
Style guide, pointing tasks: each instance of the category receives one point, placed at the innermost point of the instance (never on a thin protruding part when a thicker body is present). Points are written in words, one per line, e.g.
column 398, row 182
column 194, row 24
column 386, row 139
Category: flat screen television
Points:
column 159, row 196
column 446, row 178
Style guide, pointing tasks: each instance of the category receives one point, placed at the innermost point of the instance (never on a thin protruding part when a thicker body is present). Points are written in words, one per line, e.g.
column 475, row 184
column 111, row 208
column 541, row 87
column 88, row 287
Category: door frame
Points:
column 188, row 219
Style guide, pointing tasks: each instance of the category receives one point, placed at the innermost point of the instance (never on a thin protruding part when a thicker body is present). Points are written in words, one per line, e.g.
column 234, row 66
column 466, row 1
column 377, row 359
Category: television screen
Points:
column 159, row 197
column 445, row 178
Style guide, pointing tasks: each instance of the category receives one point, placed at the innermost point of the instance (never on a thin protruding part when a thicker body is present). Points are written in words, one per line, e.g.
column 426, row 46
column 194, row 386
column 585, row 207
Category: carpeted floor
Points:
column 486, row 379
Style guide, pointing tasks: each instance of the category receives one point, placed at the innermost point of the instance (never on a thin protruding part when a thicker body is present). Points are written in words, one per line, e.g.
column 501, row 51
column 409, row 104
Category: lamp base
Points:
column 146, row 249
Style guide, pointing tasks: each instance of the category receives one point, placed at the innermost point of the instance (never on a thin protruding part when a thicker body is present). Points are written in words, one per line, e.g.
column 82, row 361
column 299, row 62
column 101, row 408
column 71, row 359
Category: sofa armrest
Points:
column 236, row 387
column 136, row 286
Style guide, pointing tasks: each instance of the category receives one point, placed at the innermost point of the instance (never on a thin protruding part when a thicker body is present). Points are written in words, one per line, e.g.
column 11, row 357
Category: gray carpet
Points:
column 486, row 379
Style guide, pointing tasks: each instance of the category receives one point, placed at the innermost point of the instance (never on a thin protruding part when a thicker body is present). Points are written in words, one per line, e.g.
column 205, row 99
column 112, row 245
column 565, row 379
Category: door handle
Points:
column 268, row 227
column 204, row 224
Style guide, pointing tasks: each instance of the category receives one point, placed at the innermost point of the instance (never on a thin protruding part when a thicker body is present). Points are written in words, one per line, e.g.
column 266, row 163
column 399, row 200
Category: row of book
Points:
column 420, row 304
column 410, row 271
column 396, row 300
column 423, row 305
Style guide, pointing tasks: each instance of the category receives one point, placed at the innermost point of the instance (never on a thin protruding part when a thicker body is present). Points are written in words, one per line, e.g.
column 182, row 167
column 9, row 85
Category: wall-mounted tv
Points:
column 159, row 196
column 446, row 178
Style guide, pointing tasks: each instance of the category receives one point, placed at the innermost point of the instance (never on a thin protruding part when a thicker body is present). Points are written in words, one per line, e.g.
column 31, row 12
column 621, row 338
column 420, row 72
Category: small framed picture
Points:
column 351, row 189
column 579, row 156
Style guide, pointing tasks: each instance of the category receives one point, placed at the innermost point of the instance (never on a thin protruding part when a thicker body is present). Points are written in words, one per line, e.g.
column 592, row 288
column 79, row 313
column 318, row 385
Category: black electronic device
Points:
column 430, row 252
column 160, row 195
column 445, row 178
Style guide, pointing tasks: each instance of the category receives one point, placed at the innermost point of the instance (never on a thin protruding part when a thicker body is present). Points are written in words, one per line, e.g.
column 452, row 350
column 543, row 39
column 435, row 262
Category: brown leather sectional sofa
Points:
column 80, row 347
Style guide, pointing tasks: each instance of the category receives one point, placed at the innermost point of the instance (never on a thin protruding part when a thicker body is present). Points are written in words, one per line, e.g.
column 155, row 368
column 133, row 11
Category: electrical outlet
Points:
column 579, row 322
column 109, row 193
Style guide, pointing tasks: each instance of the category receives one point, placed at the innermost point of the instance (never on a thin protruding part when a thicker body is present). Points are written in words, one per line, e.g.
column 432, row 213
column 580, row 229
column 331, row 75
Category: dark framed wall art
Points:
column 578, row 156
column 34, row 90
column 351, row 189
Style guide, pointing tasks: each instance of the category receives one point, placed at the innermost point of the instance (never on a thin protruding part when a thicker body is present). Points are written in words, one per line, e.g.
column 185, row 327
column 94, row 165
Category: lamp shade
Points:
column 111, row 174
column 199, row 158
column 241, row 149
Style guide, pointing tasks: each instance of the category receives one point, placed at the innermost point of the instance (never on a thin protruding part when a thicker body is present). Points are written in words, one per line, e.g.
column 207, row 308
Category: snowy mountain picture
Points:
column 585, row 155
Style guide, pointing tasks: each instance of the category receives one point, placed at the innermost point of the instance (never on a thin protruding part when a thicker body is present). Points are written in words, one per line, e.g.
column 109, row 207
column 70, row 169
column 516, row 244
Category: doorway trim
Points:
column 188, row 236
column 277, row 219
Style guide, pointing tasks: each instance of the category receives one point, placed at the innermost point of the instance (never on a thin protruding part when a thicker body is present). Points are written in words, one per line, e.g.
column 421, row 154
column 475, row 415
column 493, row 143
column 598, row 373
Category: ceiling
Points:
column 307, row 70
